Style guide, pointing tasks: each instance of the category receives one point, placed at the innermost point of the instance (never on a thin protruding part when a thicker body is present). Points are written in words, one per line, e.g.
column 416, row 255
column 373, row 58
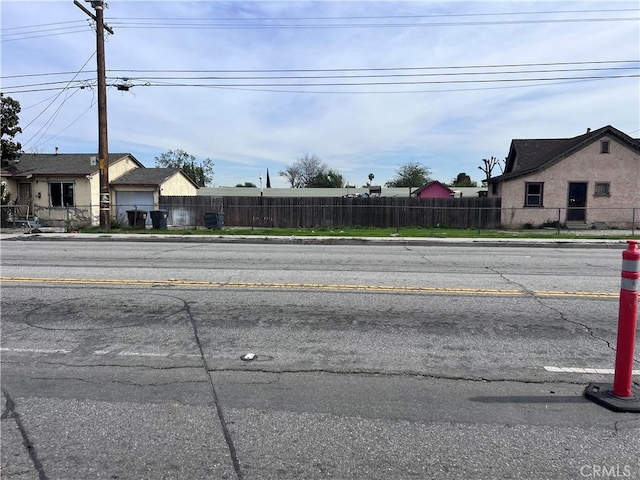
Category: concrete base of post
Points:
column 602, row 394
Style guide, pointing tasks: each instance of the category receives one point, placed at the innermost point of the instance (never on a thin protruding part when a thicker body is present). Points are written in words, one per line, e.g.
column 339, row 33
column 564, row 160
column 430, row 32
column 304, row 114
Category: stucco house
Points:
column 592, row 179
column 141, row 188
column 63, row 189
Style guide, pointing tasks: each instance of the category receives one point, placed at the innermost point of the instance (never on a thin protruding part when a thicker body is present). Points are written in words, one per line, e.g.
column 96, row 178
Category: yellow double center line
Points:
column 305, row 286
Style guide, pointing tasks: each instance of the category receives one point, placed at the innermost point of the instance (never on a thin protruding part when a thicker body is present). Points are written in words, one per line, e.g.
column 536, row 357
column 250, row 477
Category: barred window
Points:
column 602, row 189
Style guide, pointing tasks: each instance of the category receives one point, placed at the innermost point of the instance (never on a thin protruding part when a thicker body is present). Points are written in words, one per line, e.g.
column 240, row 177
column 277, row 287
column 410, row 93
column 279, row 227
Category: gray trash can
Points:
column 214, row 221
column 137, row 218
column 159, row 219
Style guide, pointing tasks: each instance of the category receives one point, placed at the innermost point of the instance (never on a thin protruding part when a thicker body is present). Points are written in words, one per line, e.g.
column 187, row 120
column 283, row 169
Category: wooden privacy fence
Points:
column 333, row 212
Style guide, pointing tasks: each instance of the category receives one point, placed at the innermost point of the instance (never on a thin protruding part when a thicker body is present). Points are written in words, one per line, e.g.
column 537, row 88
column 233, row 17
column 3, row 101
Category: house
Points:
column 63, row 189
column 433, row 189
column 592, row 179
column 141, row 188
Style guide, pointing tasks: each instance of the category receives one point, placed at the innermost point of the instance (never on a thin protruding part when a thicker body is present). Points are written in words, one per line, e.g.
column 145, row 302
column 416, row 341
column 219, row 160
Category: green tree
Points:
column 246, row 184
column 310, row 171
column 5, row 199
column 201, row 172
column 328, row 179
column 9, row 126
column 368, row 184
column 463, row 180
column 410, row 174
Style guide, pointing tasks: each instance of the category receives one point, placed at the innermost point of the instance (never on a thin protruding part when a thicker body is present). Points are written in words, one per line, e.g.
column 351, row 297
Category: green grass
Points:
column 409, row 232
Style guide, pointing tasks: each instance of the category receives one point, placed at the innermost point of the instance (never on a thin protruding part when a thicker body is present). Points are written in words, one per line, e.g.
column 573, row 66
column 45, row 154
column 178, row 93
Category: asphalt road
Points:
column 122, row 360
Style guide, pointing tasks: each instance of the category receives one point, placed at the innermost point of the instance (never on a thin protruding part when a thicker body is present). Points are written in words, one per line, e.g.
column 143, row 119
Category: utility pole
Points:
column 103, row 143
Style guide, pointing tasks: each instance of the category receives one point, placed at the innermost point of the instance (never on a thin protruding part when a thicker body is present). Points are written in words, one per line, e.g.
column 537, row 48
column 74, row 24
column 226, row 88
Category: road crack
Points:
column 10, row 412
column 214, row 394
column 560, row 314
column 377, row 373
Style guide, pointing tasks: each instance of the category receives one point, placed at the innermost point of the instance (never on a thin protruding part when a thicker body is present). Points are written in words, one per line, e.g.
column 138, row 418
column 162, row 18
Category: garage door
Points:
column 133, row 201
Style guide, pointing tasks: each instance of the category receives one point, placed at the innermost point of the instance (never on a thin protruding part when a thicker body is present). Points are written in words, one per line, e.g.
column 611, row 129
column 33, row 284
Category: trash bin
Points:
column 214, row 221
column 137, row 218
column 159, row 219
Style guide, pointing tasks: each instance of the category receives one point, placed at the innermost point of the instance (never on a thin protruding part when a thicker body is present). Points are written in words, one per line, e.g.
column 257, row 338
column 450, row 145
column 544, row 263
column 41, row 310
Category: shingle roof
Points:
column 68, row 164
column 145, row 176
column 535, row 154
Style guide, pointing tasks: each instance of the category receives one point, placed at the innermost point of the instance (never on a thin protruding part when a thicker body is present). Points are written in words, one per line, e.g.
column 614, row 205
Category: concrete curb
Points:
column 301, row 240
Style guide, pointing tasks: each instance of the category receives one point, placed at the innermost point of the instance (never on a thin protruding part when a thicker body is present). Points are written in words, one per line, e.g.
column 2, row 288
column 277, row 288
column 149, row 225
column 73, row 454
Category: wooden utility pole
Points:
column 103, row 142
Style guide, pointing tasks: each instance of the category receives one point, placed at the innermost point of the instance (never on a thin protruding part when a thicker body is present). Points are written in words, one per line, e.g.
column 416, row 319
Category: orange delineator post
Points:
column 623, row 396
column 627, row 320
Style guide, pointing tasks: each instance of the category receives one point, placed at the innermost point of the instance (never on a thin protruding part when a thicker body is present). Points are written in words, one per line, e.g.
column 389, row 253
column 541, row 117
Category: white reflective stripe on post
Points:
column 630, row 284
column 630, row 265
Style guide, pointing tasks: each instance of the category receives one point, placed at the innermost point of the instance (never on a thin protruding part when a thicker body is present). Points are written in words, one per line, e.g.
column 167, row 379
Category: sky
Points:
column 366, row 86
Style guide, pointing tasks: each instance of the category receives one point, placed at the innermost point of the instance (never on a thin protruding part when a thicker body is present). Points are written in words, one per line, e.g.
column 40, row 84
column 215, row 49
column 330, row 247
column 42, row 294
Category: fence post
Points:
column 633, row 221
column 558, row 223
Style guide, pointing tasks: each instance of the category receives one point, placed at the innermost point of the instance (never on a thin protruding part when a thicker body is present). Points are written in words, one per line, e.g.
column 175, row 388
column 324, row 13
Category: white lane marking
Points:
column 34, row 350
column 123, row 353
column 141, row 354
column 604, row 371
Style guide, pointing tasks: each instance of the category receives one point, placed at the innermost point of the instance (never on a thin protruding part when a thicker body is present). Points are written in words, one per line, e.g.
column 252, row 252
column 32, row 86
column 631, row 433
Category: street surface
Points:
column 122, row 360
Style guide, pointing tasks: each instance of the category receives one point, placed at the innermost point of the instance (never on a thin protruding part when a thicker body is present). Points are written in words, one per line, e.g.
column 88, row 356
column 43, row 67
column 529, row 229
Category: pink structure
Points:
column 433, row 190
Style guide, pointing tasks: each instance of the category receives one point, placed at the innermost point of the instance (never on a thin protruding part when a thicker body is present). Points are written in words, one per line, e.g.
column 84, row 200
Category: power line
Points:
column 343, row 84
column 316, row 77
column 302, row 70
column 425, row 82
column 361, row 17
column 43, row 25
column 392, row 75
column 55, row 98
column 76, row 30
column 215, row 26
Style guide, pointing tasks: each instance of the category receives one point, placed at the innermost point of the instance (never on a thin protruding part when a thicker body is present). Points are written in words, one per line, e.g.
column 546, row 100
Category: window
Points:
column 604, row 146
column 602, row 189
column 533, row 194
column 61, row 194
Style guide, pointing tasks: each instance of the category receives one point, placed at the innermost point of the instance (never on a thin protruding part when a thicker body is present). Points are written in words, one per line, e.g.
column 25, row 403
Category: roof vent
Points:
column 588, row 130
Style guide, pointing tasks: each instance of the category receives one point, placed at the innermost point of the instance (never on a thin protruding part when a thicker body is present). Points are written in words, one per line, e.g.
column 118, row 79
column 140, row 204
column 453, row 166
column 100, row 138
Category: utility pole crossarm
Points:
column 88, row 12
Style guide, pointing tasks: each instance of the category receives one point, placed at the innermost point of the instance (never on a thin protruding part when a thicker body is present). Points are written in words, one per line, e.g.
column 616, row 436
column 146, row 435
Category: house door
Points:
column 24, row 196
column 577, row 201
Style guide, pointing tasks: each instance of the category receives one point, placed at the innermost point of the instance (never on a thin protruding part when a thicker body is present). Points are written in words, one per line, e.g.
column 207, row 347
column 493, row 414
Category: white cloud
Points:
column 247, row 129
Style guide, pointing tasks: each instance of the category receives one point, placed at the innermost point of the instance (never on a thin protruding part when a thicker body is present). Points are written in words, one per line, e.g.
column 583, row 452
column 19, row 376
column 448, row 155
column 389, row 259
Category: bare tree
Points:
column 305, row 171
column 292, row 174
column 489, row 164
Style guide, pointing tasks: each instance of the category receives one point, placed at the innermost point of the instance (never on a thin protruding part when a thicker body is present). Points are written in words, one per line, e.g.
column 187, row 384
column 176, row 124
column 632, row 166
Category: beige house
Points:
column 592, row 179
column 63, row 189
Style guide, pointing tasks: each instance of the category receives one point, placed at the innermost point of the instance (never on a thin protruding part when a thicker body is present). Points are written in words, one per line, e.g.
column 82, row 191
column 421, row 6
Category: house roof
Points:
column 424, row 187
column 536, row 154
column 61, row 164
column 149, row 176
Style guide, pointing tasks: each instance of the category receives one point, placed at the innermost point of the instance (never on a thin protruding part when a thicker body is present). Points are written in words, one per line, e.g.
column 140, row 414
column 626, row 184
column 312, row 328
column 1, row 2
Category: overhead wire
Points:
column 51, row 103
column 433, row 15
column 359, row 69
column 214, row 26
